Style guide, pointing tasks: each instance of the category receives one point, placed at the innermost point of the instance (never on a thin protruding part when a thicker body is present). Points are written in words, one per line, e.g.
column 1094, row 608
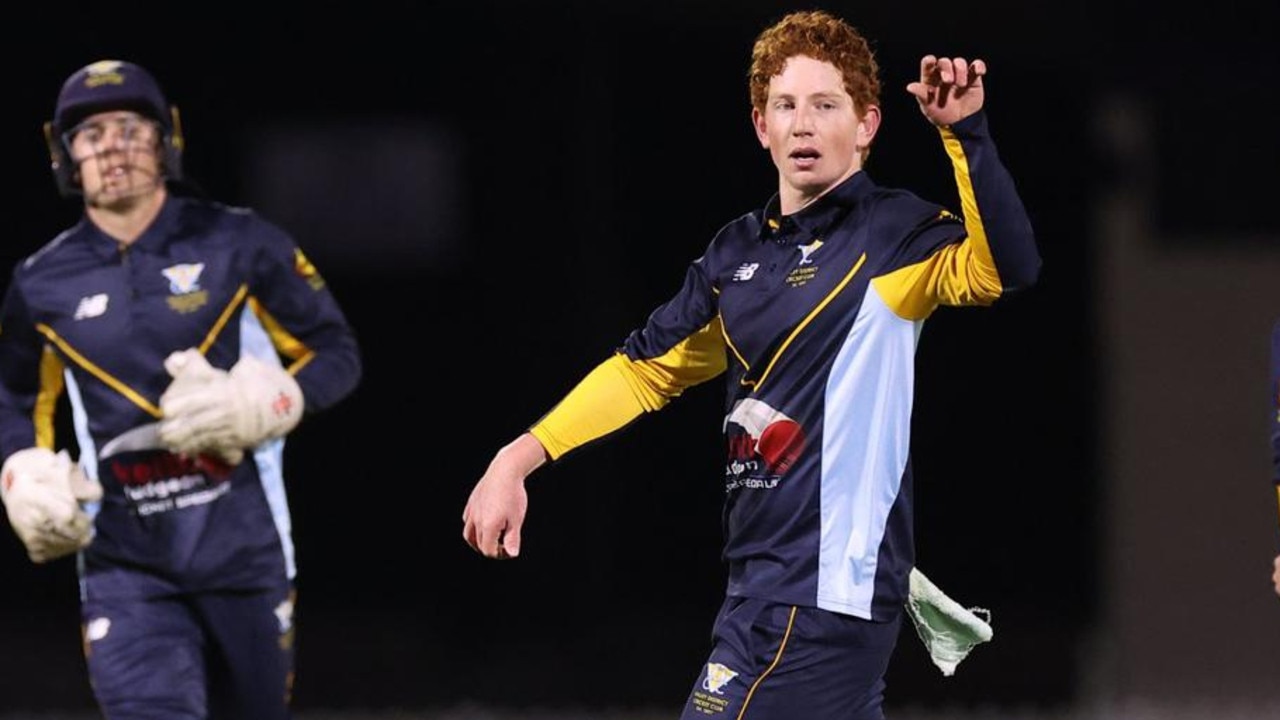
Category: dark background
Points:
column 562, row 163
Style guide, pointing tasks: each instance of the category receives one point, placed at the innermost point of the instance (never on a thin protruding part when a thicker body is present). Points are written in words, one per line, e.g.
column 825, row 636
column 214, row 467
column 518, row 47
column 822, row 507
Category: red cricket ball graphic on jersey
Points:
column 763, row 443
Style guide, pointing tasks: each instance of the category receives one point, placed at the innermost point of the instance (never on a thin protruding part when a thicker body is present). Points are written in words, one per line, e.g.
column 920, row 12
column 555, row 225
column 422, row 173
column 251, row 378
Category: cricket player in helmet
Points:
column 188, row 338
column 146, row 121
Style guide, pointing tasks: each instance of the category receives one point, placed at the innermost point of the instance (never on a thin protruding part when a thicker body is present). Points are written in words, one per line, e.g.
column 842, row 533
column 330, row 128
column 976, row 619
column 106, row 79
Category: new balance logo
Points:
column 91, row 306
column 745, row 272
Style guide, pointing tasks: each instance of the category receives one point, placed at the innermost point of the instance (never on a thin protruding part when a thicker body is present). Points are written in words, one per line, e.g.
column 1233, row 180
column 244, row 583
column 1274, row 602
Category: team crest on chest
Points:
column 186, row 295
column 805, row 269
column 807, row 250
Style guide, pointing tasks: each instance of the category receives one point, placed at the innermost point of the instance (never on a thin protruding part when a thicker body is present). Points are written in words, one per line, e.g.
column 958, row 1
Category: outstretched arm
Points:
column 998, row 253
column 681, row 345
column 601, row 403
column 610, row 397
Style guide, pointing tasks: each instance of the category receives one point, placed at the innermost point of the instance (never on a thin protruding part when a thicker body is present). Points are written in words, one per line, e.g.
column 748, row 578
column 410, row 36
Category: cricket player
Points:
column 810, row 308
column 187, row 339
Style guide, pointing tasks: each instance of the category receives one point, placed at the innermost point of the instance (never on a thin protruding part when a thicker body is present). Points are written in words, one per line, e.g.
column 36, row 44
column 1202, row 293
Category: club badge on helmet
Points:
column 110, row 85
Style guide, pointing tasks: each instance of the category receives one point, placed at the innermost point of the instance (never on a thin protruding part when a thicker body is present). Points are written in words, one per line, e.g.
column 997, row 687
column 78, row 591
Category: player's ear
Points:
column 761, row 127
column 868, row 125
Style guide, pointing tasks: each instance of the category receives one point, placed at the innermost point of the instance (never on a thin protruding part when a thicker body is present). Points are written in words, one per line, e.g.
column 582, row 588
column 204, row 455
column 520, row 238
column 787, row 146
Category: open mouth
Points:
column 117, row 177
column 805, row 157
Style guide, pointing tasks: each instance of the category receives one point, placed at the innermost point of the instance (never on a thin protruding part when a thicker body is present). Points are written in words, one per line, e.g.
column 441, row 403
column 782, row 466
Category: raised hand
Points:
column 949, row 89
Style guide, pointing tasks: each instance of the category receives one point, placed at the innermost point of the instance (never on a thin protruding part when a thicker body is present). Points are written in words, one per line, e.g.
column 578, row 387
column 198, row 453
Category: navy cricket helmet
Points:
column 110, row 85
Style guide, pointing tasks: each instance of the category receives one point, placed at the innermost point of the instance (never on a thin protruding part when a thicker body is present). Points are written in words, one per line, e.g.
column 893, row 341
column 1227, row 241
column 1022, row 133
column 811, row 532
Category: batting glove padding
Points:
column 208, row 410
column 42, row 493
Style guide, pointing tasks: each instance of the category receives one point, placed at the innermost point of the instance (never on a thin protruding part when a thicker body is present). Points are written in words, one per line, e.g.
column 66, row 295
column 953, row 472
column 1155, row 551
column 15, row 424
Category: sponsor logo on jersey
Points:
column 159, row 481
column 763, row 445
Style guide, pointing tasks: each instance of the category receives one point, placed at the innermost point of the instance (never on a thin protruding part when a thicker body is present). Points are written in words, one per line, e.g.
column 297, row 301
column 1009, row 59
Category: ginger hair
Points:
column 824, row 37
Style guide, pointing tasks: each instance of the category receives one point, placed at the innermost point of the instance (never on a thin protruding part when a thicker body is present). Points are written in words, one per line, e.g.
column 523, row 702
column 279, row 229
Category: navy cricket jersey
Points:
column 93, row 319
column 814, row 319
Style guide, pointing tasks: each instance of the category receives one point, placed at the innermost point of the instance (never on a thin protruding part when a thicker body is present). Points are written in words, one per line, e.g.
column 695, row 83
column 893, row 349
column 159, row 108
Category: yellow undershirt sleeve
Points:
column 620, row 390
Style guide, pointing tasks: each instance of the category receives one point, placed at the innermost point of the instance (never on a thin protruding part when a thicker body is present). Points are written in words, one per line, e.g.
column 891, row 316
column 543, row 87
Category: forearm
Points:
column 521, row 456
column 22, row 361
column 602, row 403
column 999, row 228
column 328, row 374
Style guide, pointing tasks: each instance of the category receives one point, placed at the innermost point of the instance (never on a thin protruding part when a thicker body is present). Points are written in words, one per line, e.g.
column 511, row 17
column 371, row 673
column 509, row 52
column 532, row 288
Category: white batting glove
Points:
column 42, row 494
column 211, row 410
column 192, row 374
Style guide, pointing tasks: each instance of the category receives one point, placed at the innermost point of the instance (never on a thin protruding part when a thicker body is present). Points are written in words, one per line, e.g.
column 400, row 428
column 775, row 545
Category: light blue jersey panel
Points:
column 865, row 444
column 270, row 455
